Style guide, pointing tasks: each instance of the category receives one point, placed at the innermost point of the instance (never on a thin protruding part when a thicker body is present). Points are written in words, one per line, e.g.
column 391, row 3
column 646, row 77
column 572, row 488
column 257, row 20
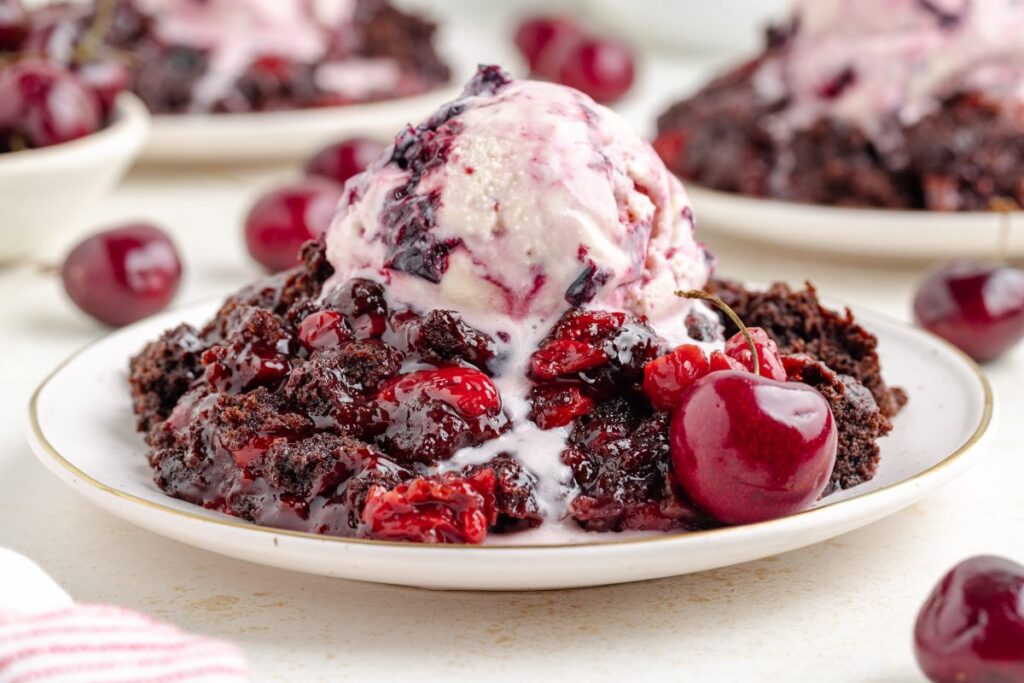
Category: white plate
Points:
column 877, row 233
column 280, row 135
column 81, row 429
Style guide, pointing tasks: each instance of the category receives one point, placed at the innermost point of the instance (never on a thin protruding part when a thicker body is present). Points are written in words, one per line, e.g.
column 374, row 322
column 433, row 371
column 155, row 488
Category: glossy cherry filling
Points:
column 324, row 409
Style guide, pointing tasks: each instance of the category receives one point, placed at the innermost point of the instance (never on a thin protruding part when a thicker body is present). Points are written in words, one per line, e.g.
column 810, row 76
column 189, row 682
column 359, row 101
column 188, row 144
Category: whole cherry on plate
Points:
column 342, row 160
column 976, row 306
column 124, row 274
column 971, row 628
column 43, row 105
column 747, row 448
column 281, row 221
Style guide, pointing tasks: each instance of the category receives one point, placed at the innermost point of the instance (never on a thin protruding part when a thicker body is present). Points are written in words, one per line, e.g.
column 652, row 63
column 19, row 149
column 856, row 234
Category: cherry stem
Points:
column 102, row 21
column 733, row 316
column 1005, row 207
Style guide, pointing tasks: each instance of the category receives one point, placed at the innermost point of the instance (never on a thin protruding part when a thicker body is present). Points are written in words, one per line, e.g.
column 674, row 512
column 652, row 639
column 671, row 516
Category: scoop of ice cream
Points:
column 521, row 198
column 871, row 63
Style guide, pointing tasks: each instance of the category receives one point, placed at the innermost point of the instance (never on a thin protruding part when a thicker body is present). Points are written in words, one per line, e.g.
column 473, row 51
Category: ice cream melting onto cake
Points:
column 511, row 205
column 872, row 63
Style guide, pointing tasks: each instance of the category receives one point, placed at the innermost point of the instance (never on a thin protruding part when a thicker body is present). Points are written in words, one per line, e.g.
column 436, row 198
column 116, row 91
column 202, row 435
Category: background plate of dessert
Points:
column 883, row 129
column 256, row 80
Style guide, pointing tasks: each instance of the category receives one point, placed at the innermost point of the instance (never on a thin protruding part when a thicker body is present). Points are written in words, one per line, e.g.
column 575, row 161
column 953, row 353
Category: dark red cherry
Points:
column 285, row 219
column 538, row 37
column 748, row 448
column 557, row 405
column 122, row 275
column 668, row 378
column 978, row 307
column 44, row 105
column 601, row 68
column 14, row 25
column 106, row 80
column 342, row 160
column 971, row 628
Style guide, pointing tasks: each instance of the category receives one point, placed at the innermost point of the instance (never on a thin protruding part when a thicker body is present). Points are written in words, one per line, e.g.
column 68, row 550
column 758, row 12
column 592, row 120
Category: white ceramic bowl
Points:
column 47, row 192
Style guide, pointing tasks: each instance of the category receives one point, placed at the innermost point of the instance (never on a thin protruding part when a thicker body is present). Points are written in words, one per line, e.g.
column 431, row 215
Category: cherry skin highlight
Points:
column 539, row 38
column 977, row 307
column 603, row 69
column 283, row 220
column 44, row 105
column 342, row 160
column 747, row 448
column 14, row 25
column 971, row 628
column 122, row 275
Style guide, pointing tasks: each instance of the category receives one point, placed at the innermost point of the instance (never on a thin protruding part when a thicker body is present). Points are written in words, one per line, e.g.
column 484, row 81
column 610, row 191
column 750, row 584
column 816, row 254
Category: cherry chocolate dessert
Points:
column 503, row 331
column 202, row 56
column 877, row 103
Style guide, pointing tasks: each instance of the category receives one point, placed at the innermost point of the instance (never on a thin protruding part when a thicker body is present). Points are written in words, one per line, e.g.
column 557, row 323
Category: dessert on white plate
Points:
column 294, row 75
column 231, row 56
column 883, row 103
column 489, row 343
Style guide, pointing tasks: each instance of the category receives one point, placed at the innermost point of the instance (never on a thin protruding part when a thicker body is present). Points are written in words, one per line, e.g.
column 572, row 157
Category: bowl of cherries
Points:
column 68, row 133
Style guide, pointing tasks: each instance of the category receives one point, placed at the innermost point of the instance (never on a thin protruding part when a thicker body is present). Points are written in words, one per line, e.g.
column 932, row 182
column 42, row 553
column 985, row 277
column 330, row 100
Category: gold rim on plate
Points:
column 40, row 438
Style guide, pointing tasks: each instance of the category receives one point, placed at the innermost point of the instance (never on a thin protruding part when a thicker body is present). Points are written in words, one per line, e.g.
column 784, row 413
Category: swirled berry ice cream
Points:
column 487, row 346
column 896, row 103
column 522, row 199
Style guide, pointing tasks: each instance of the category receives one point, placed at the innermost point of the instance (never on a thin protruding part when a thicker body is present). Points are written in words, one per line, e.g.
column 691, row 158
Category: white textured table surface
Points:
column 839, row 611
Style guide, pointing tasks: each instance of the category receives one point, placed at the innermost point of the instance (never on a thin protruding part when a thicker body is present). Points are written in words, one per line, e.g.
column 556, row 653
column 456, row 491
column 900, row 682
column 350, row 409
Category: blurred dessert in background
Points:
column 879, row 103
column 200, row 56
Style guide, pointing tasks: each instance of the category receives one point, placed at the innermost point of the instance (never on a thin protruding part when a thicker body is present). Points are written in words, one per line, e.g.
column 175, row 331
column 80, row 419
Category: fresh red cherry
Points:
column 603, row 69
column 978, row 307
column 971, row 628
column 341, row 161
column 122, row 275
column 44, row 105
column 106, row 80
column 668, row 378
column 539, row 37
column 747, row 448
column 14, row 25
column 285, row 219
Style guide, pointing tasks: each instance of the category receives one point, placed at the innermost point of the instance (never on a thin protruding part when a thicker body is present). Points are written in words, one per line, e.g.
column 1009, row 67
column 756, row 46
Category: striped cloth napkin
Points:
column 45, row 637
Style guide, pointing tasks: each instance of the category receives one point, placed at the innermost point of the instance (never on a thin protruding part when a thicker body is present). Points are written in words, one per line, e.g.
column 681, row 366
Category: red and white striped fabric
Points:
column 46, row 638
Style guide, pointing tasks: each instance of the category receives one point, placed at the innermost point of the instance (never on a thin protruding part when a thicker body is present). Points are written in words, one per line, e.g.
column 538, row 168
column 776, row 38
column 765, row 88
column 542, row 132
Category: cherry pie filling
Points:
column 326, row 410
